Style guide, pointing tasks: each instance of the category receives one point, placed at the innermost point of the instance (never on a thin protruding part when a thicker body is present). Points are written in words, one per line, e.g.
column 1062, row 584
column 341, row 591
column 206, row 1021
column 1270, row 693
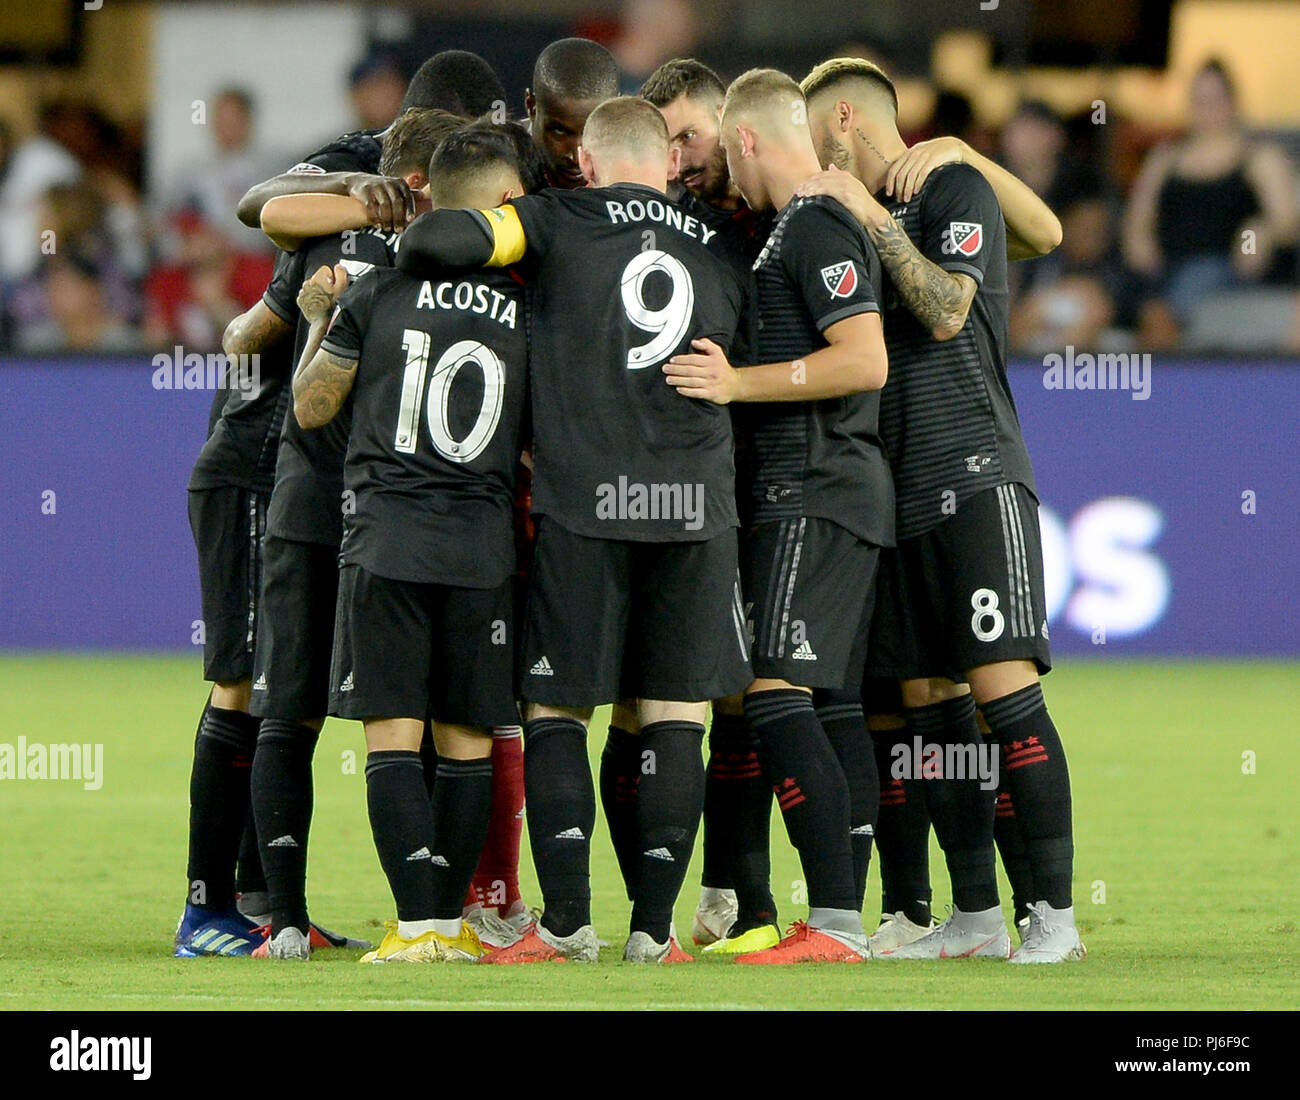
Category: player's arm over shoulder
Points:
column 462, row 238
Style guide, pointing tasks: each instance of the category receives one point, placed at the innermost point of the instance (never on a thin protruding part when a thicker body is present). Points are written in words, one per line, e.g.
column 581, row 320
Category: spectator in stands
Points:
column 28, row 169
column 377, row 85
column 79, row 317
column 200, row 288
column 651, row 32
column 1210, row 210
column 214, row 185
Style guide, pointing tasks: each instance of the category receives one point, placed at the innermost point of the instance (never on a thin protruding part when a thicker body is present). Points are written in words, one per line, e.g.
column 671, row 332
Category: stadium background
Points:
column 1169, row 522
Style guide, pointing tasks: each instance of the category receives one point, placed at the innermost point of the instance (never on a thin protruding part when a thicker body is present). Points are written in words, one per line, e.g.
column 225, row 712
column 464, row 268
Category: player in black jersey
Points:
column 290, row 691
column 436, row 369
column 817, row 499
column 229, row 494
column 962, row 596
column 570, row 77
column 453, row 80
column 634, row 590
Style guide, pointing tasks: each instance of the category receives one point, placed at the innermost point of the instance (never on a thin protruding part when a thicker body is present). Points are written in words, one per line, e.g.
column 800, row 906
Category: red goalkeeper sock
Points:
column 496, row 882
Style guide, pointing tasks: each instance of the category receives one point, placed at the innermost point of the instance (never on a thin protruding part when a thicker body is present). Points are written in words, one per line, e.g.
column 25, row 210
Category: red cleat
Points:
column 676, row 954
column 538, row 945
column 804, row 944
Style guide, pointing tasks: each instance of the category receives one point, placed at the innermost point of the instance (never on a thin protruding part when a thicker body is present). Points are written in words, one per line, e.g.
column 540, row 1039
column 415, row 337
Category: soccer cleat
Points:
column 642, row 949
column 1051, row 937
column 323, row 937
column 804, row 943
column 289, row 943
column 895, row 930
column 427, row 947
column 756, row 939
column 714, row 917
column 539, row 945
column 980, row 935
column 493, row 932
column 519, row 916
column 215, row 932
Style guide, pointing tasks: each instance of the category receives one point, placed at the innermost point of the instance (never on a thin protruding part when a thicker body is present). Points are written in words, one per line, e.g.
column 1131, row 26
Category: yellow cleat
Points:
column 428, row 947
column 756, row 939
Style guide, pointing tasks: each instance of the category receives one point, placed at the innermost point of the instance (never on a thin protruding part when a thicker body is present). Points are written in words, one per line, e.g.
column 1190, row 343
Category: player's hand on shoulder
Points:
column 909, row 172
column 389, row 203
column 321, row 291
column 705, row 374
column 846, row 189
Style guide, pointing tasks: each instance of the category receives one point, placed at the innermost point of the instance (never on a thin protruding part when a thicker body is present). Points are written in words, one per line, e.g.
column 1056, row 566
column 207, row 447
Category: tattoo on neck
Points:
column 871, row 145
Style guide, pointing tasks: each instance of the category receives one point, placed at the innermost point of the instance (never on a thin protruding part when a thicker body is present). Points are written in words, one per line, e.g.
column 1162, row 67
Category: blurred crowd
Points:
column 1186, row 242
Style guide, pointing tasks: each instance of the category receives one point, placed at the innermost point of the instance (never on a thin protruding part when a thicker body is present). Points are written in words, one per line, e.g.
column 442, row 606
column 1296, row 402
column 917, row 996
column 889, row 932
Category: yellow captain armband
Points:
column 508, row 240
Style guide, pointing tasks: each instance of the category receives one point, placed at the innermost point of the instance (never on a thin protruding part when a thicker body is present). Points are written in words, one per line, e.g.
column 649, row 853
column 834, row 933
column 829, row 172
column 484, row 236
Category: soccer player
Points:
column 818, row 499
column 962, row 596
column 291, row 662
column 436, row 367
column 570, row 77
column 453, row 80
column 634, row 590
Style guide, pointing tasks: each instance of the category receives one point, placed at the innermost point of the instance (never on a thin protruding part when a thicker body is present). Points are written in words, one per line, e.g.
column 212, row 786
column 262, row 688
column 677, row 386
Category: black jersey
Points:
column 815, row 458
column 306, row 504
column 947, row 415
column 623, row 280
column 436, row 410
column 243, row 442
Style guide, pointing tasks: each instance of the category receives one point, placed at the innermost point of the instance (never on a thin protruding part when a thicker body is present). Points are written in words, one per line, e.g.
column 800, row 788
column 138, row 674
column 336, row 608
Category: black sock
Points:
column 669, row 803
column 962, row 811
column 1039, row 781
column 810, row 790
column 462, row 809
column 401, row 821
column 282, row 805
column 561, row 805
column 738, row 822
column 1010, row 839
column 250, row 878
column 223, row 755
column 840, row 715
column 902, row 833
column 428, row 759
column 620, row 771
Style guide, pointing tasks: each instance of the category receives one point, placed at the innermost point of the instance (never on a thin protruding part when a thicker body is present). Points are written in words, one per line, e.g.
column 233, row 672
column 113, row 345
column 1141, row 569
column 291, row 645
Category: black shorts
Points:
column 228, row 524
column 295, row 629
column 967, row 593
column 808, row 587
column 610, row 619
column 409, row 650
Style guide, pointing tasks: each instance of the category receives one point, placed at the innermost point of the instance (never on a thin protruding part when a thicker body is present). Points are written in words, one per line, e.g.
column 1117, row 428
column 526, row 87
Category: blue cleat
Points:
column 216, row 932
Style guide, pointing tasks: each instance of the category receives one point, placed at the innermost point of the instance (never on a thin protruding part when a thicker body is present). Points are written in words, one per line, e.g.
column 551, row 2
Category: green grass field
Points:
column 1198, row 863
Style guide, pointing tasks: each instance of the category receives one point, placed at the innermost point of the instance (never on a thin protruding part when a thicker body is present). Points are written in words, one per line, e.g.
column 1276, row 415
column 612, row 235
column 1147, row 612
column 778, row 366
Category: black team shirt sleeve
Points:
column 947, row 414
column 815, row 458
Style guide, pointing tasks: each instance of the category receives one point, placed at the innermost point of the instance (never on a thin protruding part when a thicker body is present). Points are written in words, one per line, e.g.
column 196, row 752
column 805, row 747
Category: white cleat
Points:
column 289, row 943
column 491, row 930
column 642, row 949
column 895, row 930
column 1051, row 938
column 980, row 935
column 716, row 914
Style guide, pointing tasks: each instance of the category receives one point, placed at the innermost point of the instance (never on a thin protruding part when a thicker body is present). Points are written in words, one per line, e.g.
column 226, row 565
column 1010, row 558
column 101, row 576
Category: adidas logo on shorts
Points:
column 419, row 854
column 439, row 861
column 660, row 853
column 285, row 841
column 571, row 834
column 804, row 652
column 260, row 683
column 542, row 668
column 347, row 683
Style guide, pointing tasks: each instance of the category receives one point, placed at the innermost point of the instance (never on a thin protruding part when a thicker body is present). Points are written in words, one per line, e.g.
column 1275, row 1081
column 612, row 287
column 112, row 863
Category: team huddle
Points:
column 692, row 403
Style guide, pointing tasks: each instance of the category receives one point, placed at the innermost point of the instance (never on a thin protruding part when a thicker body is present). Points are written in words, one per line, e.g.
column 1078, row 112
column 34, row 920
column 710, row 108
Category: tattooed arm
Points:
column 937, row 298
column 253, row 331
column 322, row 381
